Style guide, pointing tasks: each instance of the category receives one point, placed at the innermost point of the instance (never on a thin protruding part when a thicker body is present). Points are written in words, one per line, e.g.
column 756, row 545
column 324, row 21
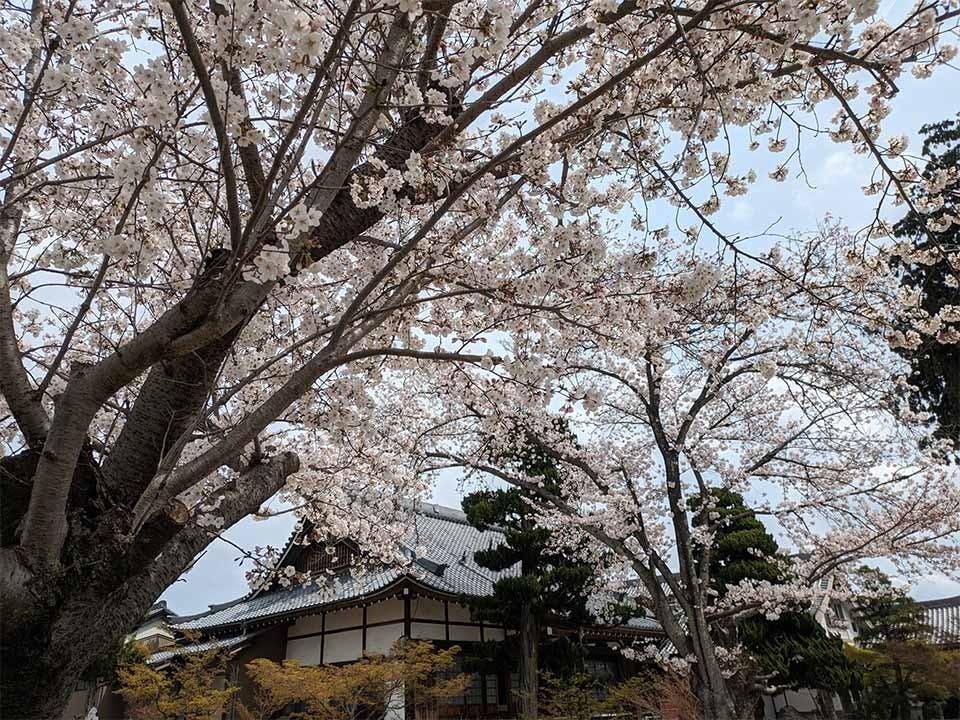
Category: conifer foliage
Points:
column 549, row 583
column 932, row 268
column 791, row 650
column 901, row 668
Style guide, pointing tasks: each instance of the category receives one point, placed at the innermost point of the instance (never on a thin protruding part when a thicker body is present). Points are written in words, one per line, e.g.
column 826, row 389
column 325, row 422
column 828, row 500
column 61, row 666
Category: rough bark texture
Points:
column 55, row 624
column 529, row 663
column 46, row 650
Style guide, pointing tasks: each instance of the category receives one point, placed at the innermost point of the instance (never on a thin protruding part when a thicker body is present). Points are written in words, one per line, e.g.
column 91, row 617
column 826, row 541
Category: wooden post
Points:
column 363, row 632
column 323, row 633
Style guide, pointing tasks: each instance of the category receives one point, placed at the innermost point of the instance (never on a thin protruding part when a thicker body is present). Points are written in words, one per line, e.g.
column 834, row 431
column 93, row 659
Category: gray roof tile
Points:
column 440, row 545
column 943, row 617
column 440, row 536
column 162, row 656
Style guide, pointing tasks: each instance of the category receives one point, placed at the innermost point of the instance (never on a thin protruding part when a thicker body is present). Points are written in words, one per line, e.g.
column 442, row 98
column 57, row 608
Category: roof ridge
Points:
column 953, row 600
column 441, row 512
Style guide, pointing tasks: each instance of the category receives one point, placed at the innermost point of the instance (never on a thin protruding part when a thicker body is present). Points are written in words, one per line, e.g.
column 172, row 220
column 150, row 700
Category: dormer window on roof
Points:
column 326, row 558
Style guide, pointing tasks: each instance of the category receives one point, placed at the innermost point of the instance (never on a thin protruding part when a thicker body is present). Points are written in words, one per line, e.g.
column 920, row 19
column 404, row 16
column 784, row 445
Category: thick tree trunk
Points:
column 55, row 627
column 716, row 700
column 529, row 663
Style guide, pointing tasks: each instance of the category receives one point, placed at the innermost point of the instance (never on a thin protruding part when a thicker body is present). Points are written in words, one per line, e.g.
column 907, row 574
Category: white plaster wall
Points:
column 426, row 608
column 494, row 633
column 381, row 639
column 462, row 633
column 459, row 613
column 391, row 609
column 305, row 651
column 342, row 646
column 151, row 629
column 305, row 626
column 350, row 617
column 427, row 631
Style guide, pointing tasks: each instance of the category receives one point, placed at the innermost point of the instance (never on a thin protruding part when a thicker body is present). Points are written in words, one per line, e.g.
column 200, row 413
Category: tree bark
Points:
column 48, row 641
column 529, row 662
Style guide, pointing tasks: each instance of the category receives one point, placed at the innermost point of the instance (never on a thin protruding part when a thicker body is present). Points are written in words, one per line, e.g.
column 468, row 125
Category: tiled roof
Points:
column 163, row 656
column 440, row 545
column 341, row 587
column 643, row 623
column 943, row 617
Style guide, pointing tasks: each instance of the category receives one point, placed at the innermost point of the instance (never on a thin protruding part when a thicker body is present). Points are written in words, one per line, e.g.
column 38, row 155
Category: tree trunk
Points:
column 529, row 661
column 54, row 627
column 716, row 700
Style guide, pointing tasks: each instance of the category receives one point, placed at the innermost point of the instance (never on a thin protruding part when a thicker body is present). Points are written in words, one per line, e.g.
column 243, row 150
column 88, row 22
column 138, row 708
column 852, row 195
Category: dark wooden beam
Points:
column 323, row 634
column 363, row 635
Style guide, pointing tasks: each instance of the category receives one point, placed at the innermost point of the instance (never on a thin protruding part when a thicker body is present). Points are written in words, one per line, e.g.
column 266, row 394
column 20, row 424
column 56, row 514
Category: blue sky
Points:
column 836, row 174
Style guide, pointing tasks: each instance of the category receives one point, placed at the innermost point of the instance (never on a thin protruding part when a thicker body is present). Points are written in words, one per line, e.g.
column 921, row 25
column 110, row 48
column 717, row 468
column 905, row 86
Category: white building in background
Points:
column 344, row 613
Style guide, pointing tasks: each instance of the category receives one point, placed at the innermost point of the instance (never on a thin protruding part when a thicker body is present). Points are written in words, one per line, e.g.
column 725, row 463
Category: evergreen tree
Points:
column 935, row 366
column 792, row 651
column 549, row 583
column 884, row 614
column 900, row 666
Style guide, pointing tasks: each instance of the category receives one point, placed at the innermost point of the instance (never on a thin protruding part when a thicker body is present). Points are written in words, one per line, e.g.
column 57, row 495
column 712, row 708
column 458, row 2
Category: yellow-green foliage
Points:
column 897, row 673
column 582, row 697
column 575, row 698
column 361, row 690
column 190, row 687
column 654, row 692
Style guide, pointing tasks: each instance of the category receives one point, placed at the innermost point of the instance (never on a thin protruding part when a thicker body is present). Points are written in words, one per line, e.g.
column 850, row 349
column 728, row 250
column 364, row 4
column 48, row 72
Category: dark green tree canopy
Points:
column 551, row 579
column 884, row 614
column 935, row 366
column 792, row 651
column 900, row 665
column 742, row 547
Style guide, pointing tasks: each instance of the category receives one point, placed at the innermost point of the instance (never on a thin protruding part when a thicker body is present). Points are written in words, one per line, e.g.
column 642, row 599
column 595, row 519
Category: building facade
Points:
column 344, row 612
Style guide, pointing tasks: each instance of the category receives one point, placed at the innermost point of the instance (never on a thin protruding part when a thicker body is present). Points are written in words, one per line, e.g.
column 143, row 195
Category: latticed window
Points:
column 473, row 693
column 325, row 558
column 604, row 670
column 599, row 667
column 493, row 696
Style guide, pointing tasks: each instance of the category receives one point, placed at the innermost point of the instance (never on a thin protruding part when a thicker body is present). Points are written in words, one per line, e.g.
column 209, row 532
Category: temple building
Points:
column 345, row 612
column 942, row 616
column 347, row 609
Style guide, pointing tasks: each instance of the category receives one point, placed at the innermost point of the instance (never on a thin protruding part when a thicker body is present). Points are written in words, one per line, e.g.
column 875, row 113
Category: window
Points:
column 604, row 670
column 836, row 612
column 321, row 558
column 473, row 693
column 600, row 667
column 493, row 695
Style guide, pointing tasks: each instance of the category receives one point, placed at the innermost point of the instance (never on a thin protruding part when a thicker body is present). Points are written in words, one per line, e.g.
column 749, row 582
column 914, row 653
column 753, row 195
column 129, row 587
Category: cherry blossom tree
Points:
column 231, row 233
column 772, row 376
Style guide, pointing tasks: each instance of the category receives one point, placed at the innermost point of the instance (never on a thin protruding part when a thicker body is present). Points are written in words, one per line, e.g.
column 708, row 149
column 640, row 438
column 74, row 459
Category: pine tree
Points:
column 935, row 366
column 899, row 664
column 792, row 651
column 549, row 583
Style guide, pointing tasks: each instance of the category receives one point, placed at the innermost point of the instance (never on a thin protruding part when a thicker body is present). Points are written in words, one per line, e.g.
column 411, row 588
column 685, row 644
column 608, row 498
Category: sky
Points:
column 835, row 176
